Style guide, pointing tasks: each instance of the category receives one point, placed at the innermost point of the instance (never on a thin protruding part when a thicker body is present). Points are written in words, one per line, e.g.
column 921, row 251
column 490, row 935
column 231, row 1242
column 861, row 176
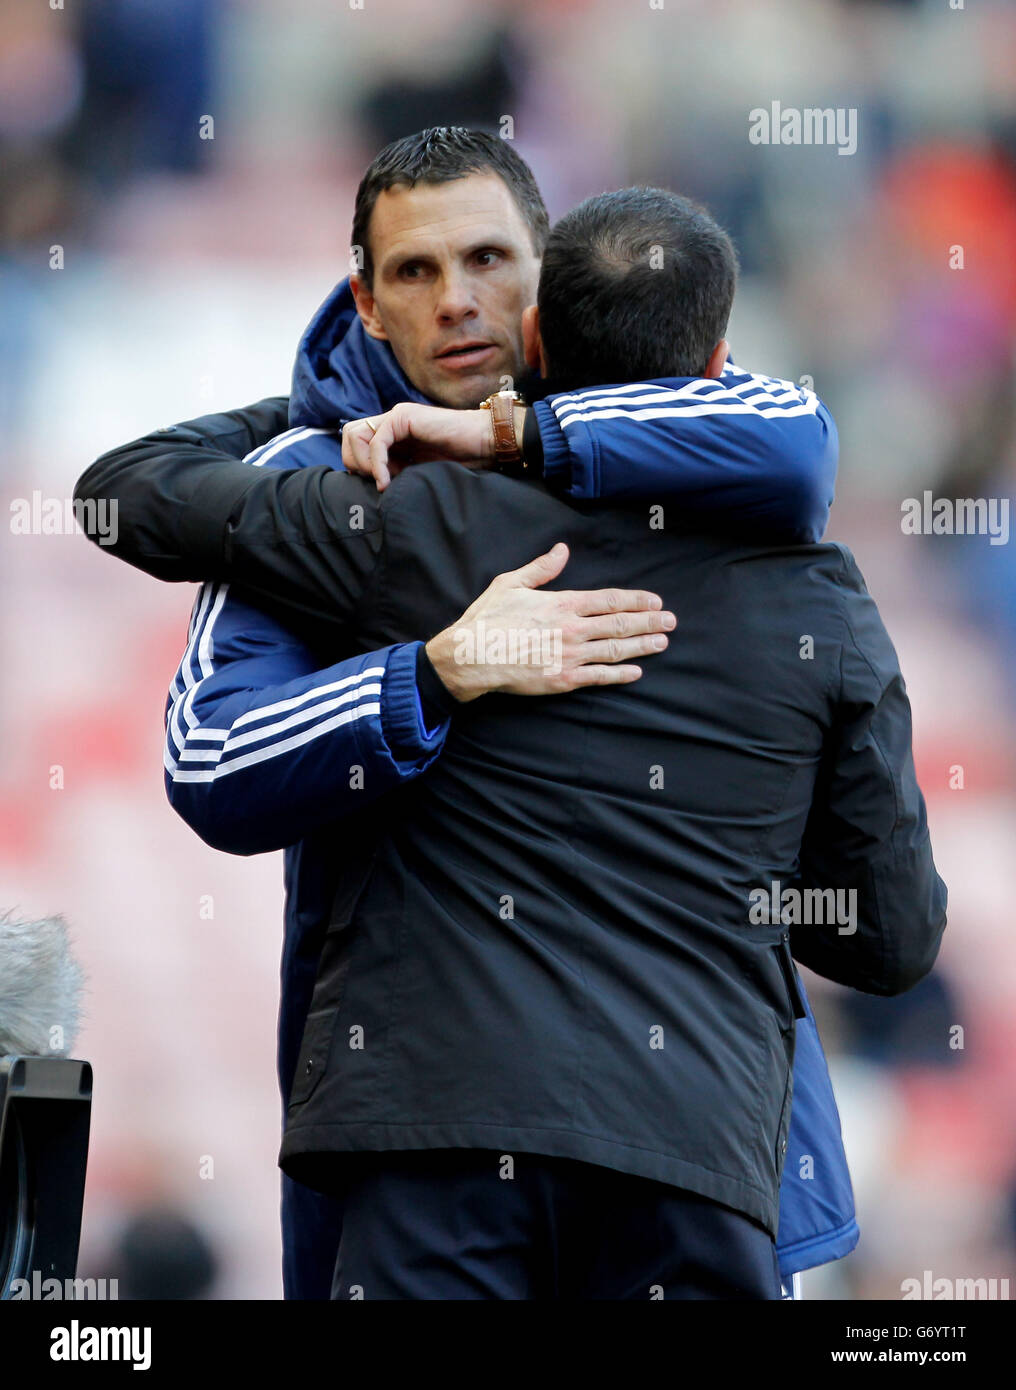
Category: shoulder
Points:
column 829, row 564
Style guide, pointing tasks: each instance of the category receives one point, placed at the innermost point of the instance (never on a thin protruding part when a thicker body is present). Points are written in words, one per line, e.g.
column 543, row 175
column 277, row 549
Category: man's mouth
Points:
column 464, row 355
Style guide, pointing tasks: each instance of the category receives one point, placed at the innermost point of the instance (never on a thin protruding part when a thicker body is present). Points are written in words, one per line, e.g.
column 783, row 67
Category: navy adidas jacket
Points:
column 264, row 744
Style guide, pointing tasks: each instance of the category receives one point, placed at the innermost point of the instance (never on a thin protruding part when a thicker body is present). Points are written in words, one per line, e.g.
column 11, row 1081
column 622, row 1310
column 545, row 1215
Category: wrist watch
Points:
column 507, row 449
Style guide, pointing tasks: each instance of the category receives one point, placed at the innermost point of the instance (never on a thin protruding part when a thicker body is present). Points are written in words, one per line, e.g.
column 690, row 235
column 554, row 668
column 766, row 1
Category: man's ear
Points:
column 717, row 359
column 366, row 307
column 532, row 343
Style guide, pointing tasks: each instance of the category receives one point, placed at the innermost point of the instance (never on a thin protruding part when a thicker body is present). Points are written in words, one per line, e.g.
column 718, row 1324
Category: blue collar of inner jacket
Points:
column 341, row 373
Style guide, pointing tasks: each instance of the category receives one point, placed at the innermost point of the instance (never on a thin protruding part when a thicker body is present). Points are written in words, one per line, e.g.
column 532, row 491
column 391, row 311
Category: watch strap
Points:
column 502, row 418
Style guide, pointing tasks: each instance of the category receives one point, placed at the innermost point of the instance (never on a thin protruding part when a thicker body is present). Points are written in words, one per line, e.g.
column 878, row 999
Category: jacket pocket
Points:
column 790, row 976
column 314, row 1050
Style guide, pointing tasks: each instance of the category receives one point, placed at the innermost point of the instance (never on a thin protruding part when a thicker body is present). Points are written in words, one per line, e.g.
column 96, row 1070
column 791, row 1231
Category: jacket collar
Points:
column 341, row 373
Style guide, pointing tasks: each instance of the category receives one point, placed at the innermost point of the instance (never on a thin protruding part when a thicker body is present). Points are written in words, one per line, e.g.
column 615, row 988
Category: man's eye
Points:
column 411, row 270
column 488, row 257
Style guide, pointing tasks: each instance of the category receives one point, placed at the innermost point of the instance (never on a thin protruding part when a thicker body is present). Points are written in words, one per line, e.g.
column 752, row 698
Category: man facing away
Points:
column 549, row 1048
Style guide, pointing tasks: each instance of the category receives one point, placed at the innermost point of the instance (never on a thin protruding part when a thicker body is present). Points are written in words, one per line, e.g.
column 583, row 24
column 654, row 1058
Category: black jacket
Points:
column 550, row 946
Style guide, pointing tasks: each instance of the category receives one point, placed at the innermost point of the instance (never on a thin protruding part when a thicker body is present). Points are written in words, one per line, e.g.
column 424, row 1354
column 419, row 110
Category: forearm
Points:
column 740, row 450
column 867, row 838
column 152, row 480
column 255, row 764
column 887, row 938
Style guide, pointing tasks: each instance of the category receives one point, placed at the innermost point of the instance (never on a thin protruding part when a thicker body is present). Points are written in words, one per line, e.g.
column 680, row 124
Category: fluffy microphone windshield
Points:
column 40, row 988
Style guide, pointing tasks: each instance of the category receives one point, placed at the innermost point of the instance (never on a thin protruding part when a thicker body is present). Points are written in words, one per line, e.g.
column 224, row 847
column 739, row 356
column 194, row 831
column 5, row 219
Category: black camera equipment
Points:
column 45, row 1112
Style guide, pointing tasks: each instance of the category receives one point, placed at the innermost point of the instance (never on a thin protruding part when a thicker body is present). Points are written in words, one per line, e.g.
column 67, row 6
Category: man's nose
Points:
column 456, row 300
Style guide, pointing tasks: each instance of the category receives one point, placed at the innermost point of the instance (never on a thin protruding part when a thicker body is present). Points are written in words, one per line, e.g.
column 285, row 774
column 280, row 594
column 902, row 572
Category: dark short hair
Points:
column 438, row 155
column 634, row 285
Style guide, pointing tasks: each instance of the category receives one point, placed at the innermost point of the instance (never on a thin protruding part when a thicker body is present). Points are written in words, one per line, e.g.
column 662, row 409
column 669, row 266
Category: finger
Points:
column 603, row 675
column 625, row 624
column 589, row 602
column 384, row 438
column 538, row 571
column 616, row 649
column 348, row 457
column 355, row 441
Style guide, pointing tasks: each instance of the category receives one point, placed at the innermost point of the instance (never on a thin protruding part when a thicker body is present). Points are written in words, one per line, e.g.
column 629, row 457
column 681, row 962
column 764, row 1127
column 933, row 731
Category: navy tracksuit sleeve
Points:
column 867, row 833
column 263, row 747
column 742, row 449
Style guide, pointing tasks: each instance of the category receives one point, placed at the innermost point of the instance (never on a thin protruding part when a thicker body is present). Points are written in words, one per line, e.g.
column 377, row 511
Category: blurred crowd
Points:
column 176, row 186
